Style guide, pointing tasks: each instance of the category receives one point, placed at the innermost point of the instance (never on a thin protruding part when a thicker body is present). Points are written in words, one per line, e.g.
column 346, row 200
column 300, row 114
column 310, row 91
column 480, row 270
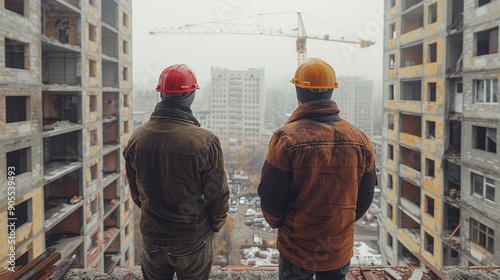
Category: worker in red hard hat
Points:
column 176, row 175
column 317, row 180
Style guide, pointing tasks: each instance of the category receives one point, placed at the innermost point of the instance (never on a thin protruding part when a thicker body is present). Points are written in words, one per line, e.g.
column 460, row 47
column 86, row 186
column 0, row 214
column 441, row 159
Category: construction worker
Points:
column 176, row 175
column 317, row 180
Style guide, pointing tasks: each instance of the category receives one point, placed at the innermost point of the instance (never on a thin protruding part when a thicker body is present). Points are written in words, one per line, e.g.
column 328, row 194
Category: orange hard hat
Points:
column 315, row 73
column 178, row 78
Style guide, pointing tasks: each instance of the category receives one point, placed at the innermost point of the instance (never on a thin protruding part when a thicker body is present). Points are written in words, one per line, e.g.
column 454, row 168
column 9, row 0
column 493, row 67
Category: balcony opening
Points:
column 412, row 19
column 390, row 183
column 109, row 74
column 94, row 138
column 390, row 240
column 406, row 4
column 125, row 73
column 61, row 197
column 390, row 122
column 21, row 215
column 411, row 124
column 392, row 3
column 430, row 129
column 451, row 227
column 392, row 61
column 454, row 53
column 432, row 13
column 111, row 227
column 429, row 168
column 92, row 68
column 429, row 243
column 16, row 54
column 20, row 160
column 94, row 248
column 92, row 33
column 392, row 30
column 431, row 92
column 126, row 100
column 61, row 150
column 410, row 226
column 93, row 103
column 411, row 90
column 390, row 212
column 61, row 68
column 125, row 19
column 126, row 127
column 485, row 138
column 429, row 203
column 66, row 235
column 454, row 140
column 61, row 111
column 452, row 179
column 410, row 158
column 457, row 15
column 112, row 255
column 390, row 152
column 110, row 108
column 60, row 22
column 432, row 52
column 125, row 47
column 111, row 164
column 94, row 172
column 109, row 42
column 391, row 92
column 410, row 197
column 450, row 256
column 407, row 257
column 17, row 108
column 15, row 6
column 109, row 12
column 486, row 42
column 411, row 56
column 111, row 197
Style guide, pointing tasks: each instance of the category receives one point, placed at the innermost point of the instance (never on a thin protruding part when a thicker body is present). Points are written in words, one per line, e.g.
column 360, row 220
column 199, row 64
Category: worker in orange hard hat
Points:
column 176, row 175
column 317, row 180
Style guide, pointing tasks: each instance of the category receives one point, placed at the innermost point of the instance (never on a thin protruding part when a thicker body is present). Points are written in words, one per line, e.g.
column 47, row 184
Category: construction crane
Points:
column 253, row 29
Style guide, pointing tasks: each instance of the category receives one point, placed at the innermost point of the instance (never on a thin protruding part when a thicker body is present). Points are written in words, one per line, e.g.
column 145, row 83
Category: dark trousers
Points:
column 289, row 271
column 192, row 261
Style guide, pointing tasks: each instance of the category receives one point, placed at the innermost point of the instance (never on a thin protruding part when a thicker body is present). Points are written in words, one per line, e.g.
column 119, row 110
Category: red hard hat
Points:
column 178, row 78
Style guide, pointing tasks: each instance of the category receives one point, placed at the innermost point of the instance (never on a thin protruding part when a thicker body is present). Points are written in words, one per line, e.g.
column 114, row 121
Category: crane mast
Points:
column 253, row 29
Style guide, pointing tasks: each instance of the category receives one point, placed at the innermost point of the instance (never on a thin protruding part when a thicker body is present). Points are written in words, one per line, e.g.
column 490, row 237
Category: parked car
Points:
column 234, row 202
column 249, row 212
column 242, row 200
column 233, row 209
column 249, row 222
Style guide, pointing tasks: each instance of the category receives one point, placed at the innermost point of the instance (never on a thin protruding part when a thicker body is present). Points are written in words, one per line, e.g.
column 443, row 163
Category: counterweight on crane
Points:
column 253, row 29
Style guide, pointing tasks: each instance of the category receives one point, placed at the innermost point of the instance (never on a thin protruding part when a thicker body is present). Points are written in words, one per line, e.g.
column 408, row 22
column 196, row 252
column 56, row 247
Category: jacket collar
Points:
column 172, row 110
column 315, row 109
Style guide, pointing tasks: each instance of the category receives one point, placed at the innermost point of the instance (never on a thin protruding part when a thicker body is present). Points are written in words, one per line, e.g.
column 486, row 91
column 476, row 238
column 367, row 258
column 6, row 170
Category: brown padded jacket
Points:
column 176, row 174
column 317, row 180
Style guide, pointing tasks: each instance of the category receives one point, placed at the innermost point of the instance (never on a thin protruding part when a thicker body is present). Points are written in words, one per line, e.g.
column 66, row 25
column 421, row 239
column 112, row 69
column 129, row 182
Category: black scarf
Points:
column 165, row 108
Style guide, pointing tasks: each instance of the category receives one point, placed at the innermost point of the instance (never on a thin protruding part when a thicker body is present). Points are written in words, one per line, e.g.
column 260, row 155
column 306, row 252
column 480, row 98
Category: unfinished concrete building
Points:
column 65, row 116
column 441, row 165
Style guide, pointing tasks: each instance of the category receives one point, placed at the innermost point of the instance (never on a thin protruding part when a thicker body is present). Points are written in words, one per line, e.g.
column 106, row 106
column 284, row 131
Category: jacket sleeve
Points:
column 274, row 186
column 215, row 186
column 366, row 184
column 131, row 177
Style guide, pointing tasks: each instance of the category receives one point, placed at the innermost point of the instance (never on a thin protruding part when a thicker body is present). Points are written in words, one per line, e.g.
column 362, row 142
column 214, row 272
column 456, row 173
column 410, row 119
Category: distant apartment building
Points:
column 275, row 114
column 65, row 116
column 237, row 107
column 355, row 99
column 441, row 163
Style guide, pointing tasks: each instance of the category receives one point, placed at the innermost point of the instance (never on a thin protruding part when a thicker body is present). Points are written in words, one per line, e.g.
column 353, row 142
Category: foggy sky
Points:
column 349, row 19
